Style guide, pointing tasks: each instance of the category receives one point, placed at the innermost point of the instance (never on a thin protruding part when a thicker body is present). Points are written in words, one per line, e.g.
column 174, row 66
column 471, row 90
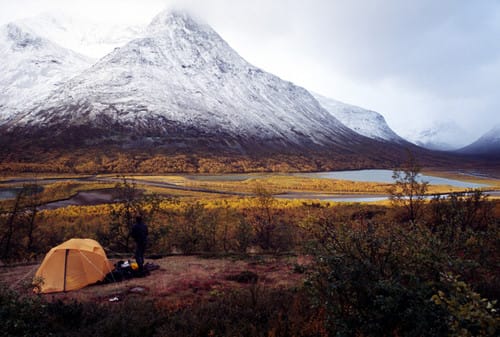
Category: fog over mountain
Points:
column 85, row 36
column 443, row 136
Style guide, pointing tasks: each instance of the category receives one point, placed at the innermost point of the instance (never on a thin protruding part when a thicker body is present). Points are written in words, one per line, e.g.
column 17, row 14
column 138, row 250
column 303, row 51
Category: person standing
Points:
column 140, row 235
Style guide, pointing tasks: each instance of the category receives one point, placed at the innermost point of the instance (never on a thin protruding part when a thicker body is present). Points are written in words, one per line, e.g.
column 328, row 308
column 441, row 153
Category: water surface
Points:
column 385, row 176
column 8, row 193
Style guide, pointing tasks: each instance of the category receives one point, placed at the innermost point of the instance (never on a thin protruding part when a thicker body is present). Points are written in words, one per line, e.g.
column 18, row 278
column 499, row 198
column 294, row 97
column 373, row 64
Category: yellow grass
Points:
column 170, row 179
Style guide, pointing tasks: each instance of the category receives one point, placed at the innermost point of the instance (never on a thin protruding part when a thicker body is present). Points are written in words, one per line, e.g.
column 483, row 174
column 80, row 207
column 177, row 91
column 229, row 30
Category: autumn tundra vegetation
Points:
column 412, row 266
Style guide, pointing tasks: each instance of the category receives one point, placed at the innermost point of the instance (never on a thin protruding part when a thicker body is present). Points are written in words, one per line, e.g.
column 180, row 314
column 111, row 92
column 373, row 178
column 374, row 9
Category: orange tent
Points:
column 73, row 265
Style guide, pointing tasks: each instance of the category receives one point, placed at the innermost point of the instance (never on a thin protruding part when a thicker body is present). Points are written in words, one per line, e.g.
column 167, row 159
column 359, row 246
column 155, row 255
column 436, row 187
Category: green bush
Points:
column 378, row 280
column 468, row 313
column 367, row 285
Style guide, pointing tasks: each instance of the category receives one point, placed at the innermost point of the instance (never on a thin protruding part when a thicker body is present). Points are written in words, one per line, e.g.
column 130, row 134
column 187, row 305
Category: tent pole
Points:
column 65, row 267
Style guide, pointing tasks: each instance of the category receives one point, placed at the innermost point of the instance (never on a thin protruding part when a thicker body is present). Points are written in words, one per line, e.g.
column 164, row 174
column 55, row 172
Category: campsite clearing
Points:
column 180, row 280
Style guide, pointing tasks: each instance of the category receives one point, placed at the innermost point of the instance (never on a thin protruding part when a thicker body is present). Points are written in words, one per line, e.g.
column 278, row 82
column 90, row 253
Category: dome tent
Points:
column 72, row 265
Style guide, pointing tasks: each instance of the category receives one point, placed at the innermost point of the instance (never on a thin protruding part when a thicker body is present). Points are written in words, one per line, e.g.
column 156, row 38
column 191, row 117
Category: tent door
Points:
column 65, row 268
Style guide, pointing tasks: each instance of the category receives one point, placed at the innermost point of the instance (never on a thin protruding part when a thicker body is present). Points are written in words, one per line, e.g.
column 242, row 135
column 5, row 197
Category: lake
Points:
column 380, row 176
column 385, row 176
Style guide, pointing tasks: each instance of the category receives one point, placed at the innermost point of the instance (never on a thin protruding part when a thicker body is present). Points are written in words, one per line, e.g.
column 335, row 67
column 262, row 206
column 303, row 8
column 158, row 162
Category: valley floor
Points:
column 83, row 190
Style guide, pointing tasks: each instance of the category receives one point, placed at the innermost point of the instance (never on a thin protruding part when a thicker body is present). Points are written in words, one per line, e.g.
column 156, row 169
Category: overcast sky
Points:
column 417, row 62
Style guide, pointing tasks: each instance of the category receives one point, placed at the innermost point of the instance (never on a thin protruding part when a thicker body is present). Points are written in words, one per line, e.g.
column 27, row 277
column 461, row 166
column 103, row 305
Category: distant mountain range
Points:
column 174, row 84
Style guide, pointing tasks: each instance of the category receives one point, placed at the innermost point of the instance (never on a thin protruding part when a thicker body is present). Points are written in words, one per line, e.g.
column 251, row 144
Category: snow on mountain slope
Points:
column 92, row 38
column 31, row 68
column 488, row 144
column 183, row 75
column 368, row 123
column 443, row 136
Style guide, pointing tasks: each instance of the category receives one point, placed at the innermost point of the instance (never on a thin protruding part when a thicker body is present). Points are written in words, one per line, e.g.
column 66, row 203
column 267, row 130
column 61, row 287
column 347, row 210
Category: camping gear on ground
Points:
column 125, row 270
column 72, row 265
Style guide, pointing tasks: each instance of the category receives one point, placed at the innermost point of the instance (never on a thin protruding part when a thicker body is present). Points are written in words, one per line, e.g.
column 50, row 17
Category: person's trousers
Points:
column 139, row 255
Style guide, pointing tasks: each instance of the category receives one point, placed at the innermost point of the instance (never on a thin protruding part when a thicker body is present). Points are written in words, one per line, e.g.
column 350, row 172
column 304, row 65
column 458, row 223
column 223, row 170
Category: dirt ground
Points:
column 179, row 279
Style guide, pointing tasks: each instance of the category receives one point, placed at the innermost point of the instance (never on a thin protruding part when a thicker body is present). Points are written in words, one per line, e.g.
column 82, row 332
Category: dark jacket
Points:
column 140, row 233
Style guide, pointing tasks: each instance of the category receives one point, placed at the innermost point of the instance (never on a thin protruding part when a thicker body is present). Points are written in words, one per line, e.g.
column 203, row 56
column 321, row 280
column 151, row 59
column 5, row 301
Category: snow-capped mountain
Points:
column 32, row 67
column 488, row 144
column 443, row 136
column 91, row 38
column 183, row 79
column 368, row 123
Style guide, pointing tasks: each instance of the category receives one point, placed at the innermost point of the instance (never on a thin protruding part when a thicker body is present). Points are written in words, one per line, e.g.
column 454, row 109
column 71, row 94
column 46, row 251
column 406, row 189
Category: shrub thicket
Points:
column 408, row 279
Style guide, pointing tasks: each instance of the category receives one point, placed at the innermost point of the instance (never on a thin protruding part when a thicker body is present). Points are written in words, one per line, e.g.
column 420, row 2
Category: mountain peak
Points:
column 177, row 20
